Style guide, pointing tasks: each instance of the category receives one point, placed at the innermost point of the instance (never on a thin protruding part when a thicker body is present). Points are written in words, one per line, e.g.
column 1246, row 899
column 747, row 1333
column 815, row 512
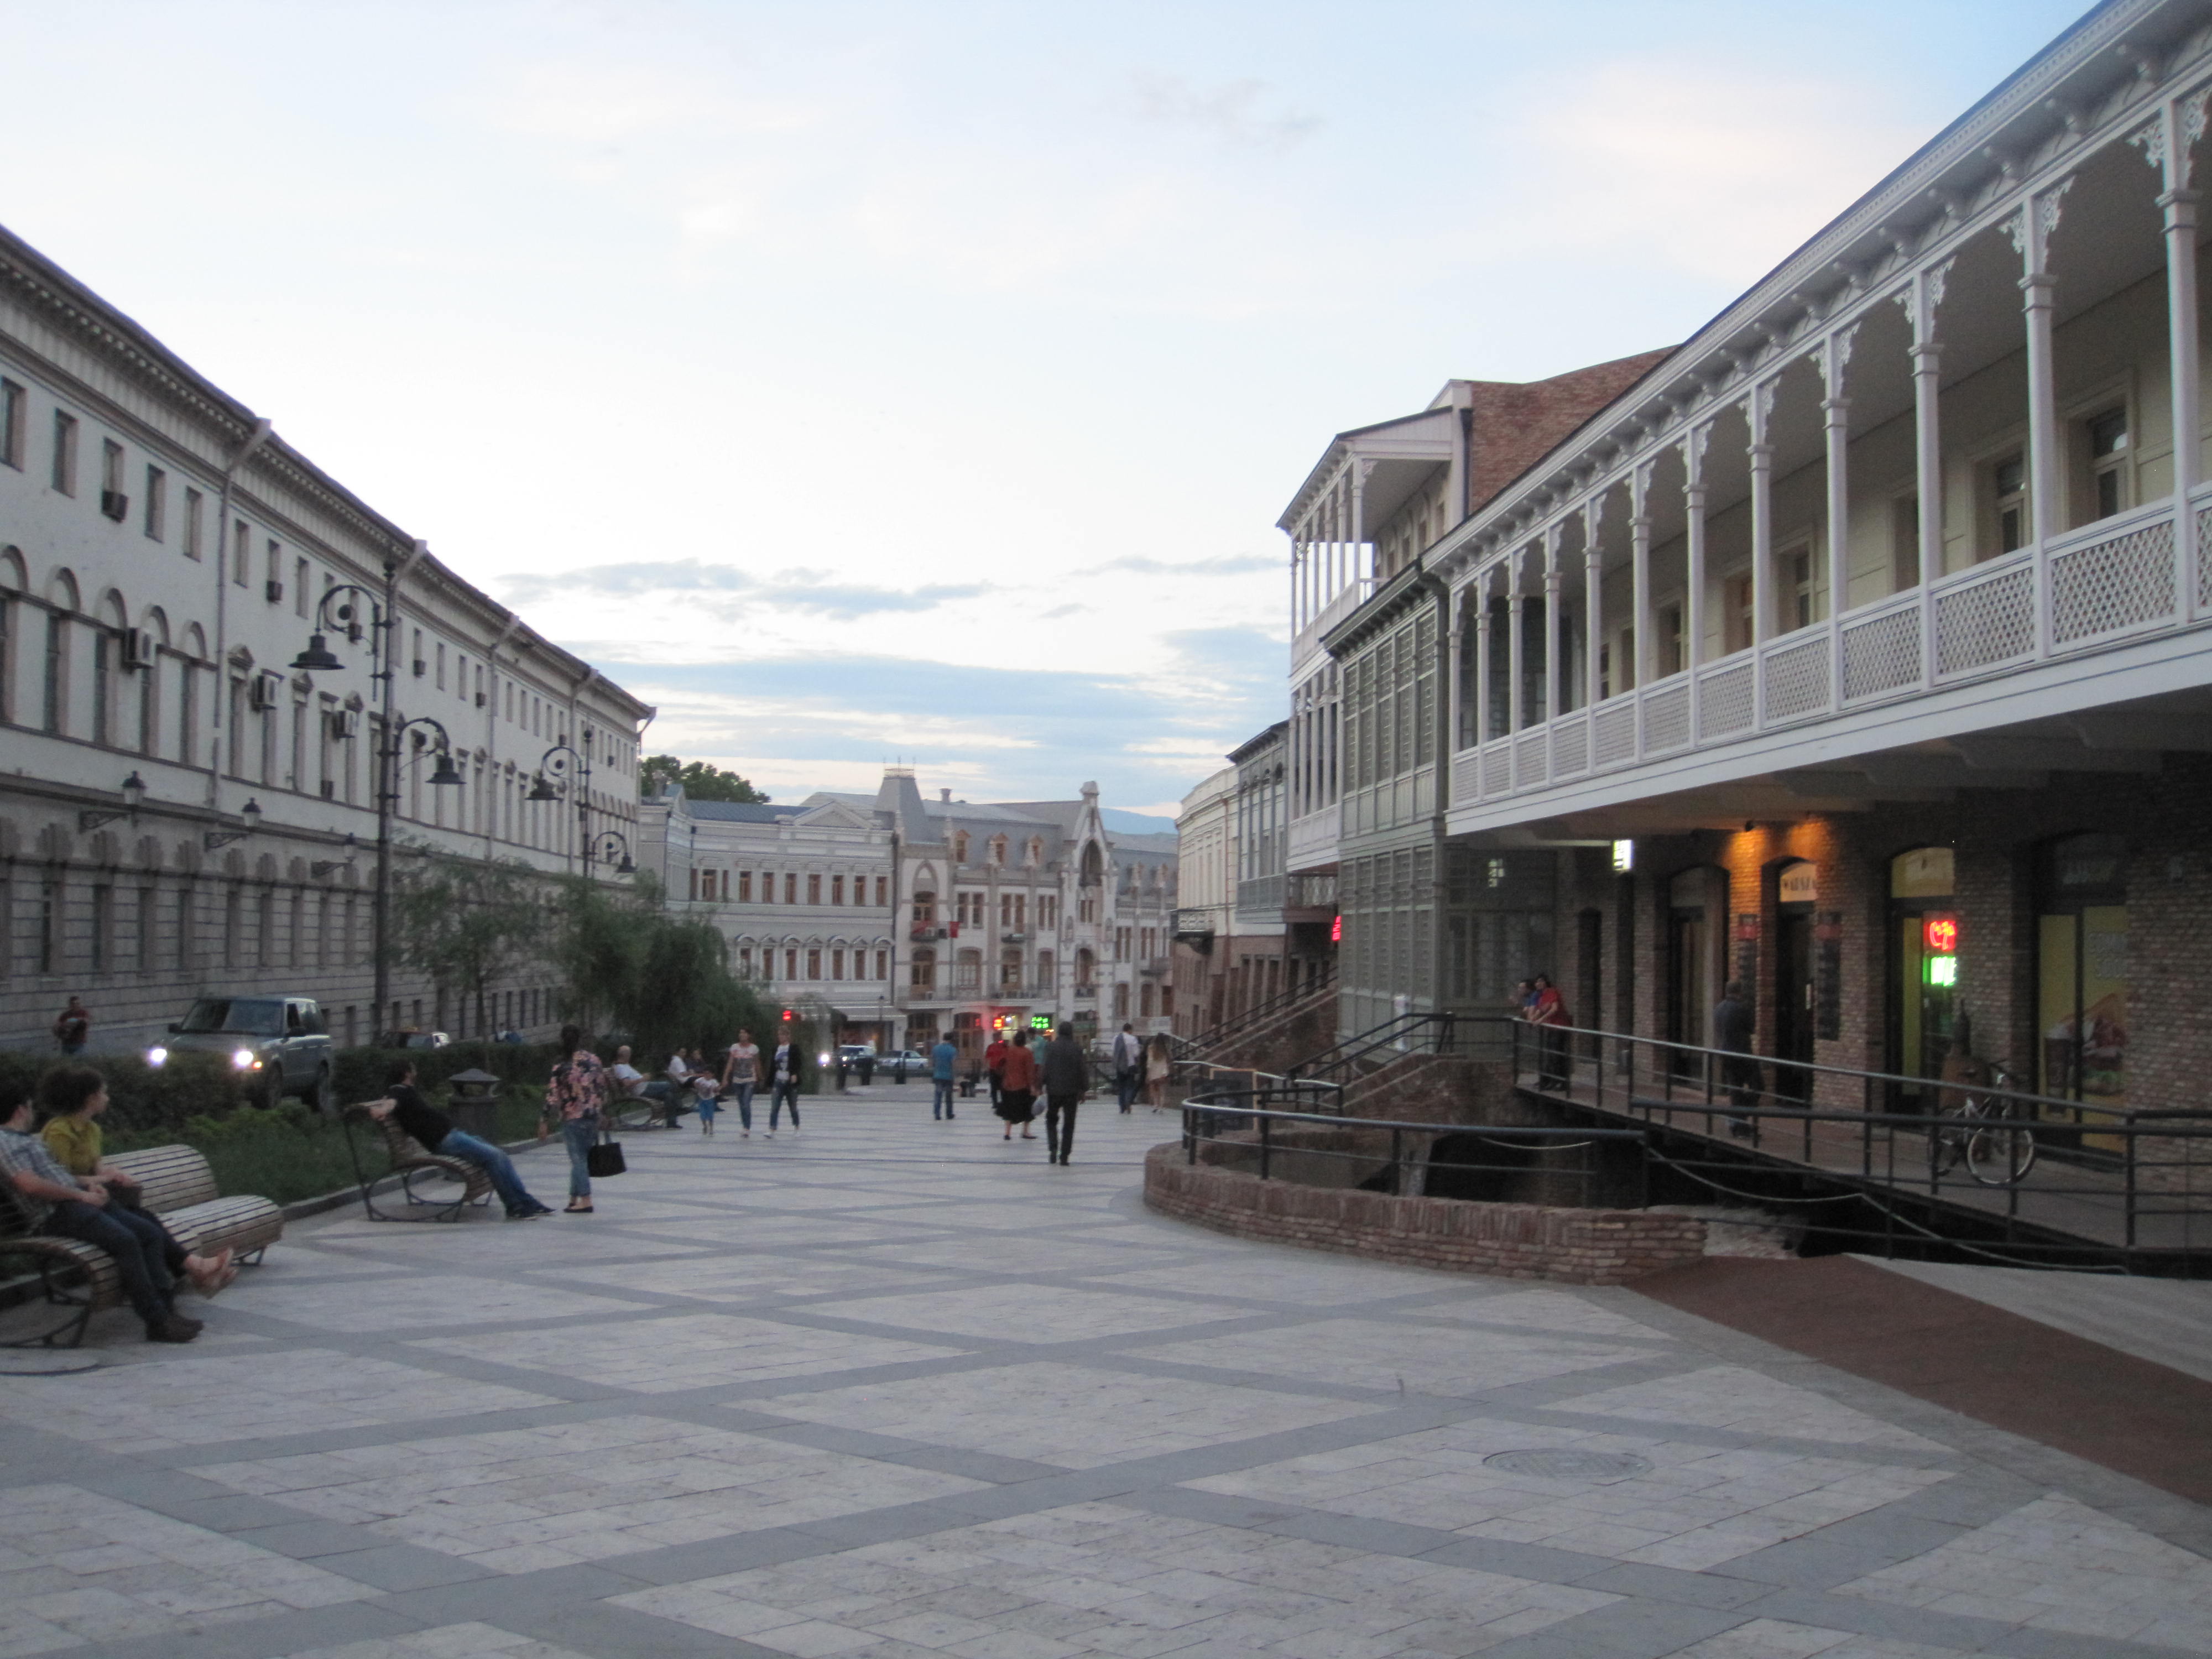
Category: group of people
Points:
column 58, row 1176
column 1537, row 1000
column 1017, row 1075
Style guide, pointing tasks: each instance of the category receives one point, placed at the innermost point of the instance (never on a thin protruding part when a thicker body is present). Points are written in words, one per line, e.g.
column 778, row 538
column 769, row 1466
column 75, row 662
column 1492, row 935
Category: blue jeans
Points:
column 580, row 1133
column 787, row 1094
column 136, row 1242
column 940, row 1103
column 1127, row 1081
column 493, row 1163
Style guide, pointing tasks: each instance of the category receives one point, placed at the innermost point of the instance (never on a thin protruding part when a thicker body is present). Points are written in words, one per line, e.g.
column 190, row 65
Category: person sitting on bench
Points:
column 73, row 1097
column 434, row 1132
column 70, row 1207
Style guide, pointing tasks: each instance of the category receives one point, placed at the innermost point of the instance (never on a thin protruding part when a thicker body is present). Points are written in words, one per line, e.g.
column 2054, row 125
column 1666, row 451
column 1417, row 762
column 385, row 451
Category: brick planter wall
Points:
column 1516, row 1240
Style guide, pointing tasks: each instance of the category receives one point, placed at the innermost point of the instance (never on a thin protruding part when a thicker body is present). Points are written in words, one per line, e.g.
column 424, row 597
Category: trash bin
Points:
column 474, row 1104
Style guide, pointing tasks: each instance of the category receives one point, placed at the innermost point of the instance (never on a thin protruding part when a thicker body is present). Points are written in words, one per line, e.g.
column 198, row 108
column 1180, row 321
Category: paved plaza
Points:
column 895, row 1388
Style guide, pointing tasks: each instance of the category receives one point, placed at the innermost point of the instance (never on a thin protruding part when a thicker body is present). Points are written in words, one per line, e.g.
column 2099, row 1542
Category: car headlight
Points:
column 243, row 1059
column 157, row 1057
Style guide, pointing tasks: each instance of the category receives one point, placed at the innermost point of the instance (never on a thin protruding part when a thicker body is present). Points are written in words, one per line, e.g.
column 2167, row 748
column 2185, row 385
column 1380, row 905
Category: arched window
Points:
column 960, row 847
column 923, row 970
column 998, row 849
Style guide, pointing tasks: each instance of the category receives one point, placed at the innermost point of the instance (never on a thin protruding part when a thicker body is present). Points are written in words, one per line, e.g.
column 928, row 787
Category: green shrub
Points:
column 143, row 1097
column 359, row 1073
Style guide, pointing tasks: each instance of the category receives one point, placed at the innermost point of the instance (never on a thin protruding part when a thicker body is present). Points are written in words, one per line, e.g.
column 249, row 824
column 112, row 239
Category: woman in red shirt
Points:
column 1017, row 1082
column 1548, row 1008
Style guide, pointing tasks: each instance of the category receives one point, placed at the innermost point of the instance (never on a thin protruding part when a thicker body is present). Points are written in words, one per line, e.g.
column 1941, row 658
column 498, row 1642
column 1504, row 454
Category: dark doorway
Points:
column 1690, row 964
column 1793, row 1003
column 1589, row 962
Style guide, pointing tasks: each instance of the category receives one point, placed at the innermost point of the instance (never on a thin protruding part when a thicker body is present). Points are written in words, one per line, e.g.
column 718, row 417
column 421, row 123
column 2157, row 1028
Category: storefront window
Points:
column 2081, row 969
column 1924, row 923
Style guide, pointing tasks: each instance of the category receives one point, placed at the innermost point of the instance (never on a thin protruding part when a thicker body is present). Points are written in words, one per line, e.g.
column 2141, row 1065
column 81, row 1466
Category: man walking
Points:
column 1741, row 1073
column 995, row 1068
column 73, row 1027
column 1066, row 1075
column 942, row 1058
column 1128, row 1065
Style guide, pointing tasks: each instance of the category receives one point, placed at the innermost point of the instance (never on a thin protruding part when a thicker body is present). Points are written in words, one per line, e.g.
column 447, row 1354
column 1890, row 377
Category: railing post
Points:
column 1265, row 1147
column 1397, row 1166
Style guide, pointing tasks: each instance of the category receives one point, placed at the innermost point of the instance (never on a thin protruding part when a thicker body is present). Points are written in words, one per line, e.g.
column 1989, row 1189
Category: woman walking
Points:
column 1017, row 1081
column 1159, row 1060
column 574, row 1099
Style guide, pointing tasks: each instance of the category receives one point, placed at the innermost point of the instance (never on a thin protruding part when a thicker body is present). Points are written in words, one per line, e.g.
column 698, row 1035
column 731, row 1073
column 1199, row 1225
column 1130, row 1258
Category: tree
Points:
column 462, row 921
column 699, row 782
column 630, row 967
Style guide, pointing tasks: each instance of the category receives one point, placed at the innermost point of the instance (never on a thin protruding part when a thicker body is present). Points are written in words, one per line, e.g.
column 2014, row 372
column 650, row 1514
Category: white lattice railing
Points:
column 2145, row 572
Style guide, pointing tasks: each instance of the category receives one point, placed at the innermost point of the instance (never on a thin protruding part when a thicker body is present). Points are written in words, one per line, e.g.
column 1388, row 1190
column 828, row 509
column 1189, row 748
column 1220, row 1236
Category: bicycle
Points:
column 1989, row 1130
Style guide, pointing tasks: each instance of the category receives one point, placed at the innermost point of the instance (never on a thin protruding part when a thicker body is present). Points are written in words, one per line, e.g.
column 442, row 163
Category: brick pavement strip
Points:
column 896, row 1389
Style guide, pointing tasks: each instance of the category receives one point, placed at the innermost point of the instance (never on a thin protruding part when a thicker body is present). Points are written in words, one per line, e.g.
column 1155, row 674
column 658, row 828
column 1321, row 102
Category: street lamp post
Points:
column 567, row 766
column 606, row 847
column 339, row 612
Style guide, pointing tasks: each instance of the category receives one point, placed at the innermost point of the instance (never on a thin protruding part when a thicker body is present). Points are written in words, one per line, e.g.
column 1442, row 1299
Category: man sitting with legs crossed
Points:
column 434, row 1132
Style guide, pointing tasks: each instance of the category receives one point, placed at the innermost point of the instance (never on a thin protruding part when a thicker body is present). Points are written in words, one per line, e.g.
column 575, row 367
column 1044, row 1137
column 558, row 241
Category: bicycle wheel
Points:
column 1999, row 1152
column 1948, row 1138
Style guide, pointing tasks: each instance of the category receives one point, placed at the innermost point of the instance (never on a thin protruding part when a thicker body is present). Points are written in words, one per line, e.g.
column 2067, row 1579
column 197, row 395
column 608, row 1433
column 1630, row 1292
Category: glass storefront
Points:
column 1924, row 969
column 2082, row 970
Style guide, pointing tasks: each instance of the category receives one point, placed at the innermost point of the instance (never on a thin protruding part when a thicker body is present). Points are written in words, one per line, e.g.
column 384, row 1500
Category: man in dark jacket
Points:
column 434, row 1132
column 1734, row 1021
column 1066, row 1075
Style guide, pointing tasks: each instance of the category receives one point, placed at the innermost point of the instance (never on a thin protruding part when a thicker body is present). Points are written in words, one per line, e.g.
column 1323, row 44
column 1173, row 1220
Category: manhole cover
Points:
column 1565, row 1463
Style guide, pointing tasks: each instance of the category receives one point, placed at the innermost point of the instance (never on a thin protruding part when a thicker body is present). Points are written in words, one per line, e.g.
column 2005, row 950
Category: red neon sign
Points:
column 1336, row 930
column 1942, row 935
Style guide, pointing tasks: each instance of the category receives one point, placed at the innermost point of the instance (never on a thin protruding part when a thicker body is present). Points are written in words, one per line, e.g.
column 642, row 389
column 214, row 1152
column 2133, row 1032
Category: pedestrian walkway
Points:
column 895, row 1389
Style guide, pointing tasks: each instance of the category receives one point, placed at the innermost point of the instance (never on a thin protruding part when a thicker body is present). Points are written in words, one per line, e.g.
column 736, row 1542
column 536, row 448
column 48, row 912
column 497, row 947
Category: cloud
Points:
column 1229, row 112
column 787, row 590
column 1708, row 165
column 1228, row 564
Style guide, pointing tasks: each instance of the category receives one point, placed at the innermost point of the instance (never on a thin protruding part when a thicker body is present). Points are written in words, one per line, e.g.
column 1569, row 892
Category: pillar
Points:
column 2168, row 144
column 2030, row 231
column 1759, row 410
column 1593, row 600
column 1552, row 582
column 1693, row 595
column 1514, row 652
column 1639, row 561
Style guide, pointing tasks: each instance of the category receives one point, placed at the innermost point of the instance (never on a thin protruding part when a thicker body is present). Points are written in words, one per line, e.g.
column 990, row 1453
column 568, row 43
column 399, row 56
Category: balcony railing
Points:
column 1310, row 893
column 2111, row 583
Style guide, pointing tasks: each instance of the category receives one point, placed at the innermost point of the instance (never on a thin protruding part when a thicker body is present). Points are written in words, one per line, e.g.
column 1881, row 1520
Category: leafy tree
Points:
column 699, row 782
column 630, row 967
column 462, row 921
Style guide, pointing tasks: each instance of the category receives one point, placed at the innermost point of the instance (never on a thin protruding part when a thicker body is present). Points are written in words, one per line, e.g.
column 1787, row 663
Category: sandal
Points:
column 577, row 1209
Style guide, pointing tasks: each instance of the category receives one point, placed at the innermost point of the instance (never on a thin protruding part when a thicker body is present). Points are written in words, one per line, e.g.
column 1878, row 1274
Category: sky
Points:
column 921, row 382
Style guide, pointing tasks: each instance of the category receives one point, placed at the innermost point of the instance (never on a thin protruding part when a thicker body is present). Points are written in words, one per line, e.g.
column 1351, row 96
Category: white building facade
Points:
column 180, row 809
column 913, row 918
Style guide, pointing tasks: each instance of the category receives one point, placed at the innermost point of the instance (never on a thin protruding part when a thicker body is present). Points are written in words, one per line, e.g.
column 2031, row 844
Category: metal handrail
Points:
column 1392, row 1033
column 1260, row 1012
column 1203, row 1115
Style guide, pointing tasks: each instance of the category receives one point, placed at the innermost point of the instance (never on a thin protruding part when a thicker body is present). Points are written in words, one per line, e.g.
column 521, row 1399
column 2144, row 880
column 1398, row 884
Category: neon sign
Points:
column 1941, row 935
column 1336, row 930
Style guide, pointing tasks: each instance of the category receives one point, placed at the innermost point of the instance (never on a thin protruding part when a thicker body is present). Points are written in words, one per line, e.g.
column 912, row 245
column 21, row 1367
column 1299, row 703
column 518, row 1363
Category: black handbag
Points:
column 605, row 1158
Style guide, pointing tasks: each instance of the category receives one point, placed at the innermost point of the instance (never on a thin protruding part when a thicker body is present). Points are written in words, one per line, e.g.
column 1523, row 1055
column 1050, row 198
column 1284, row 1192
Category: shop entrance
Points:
column 1691, row 946
column 2081, row 971
column 1924, row 972
column 1798, row 891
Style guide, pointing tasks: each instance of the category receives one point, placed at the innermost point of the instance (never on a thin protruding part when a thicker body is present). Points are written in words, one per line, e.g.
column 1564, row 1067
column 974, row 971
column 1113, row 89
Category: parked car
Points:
column 280, row 1045
column 410, row 1038
column 903, row 1063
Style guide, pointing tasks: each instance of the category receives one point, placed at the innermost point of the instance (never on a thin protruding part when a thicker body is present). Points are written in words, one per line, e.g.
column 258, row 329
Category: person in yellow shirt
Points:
column 73, row 1097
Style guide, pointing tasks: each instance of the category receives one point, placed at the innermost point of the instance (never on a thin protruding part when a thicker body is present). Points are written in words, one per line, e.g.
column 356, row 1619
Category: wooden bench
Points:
column 178, row 1189
column 412, row 1165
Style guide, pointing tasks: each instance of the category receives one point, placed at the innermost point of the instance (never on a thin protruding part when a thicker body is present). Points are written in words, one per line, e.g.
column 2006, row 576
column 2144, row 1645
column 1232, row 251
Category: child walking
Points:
column 707, row 1089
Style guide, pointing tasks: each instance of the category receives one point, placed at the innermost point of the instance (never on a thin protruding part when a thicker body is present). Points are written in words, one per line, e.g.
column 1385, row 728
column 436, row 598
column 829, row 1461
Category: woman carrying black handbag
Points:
column 576, row 1098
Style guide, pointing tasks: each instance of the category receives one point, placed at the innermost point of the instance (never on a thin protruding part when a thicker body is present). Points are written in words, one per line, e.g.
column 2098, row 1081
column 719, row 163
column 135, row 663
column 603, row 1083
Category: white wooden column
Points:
column 1759, row 411
column 1593, row 601
column 2030, row 231
column 1454, row 698
column 1834, row 357
column 1551, row 635
column 2169, row 145
column 1515, row 668
column 1482, row 648
column 1639, row 559
column 1360, row 472
column 1693, row 597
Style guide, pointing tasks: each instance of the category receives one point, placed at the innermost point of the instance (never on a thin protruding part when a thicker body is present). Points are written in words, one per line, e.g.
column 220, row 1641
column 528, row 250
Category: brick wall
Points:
column 1513, row 1241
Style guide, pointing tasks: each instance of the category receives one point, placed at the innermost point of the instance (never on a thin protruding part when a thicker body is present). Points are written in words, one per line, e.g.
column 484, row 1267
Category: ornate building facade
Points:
column 911, row 918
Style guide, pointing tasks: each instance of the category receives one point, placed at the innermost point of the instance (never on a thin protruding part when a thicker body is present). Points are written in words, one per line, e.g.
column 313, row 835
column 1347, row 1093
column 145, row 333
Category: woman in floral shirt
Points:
column 573, row 1098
